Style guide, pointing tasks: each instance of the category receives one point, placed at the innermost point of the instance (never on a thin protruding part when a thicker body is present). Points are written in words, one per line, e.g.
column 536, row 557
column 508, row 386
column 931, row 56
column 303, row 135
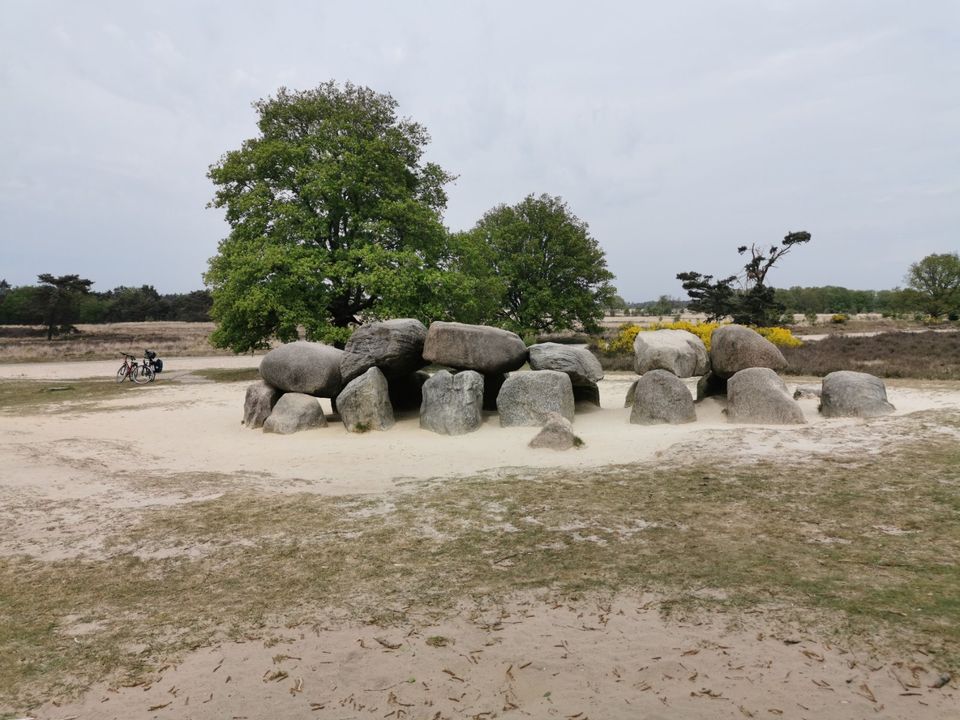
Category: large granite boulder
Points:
column 485, row 349
column 557, row 434
column 452, row 404
column 364, row 404
column 527, row 398
column 853, row 394
column 294, row 412
column 394, row 346
column 734, row 348
column 406, row 393
column 579, row 363
column 303, row 367
column 631, row 392
column 676, row 351
column 258, row 404
column 662, row 397
column 758, row 395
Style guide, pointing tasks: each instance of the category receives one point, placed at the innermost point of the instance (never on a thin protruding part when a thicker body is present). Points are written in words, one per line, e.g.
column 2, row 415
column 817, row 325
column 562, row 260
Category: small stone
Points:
column 557, row 434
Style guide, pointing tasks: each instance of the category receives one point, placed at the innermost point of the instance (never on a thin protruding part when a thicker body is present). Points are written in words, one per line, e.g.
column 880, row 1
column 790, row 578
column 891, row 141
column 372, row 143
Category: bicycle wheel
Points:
column 138, row 376
column 149, row 372
column 122, row 374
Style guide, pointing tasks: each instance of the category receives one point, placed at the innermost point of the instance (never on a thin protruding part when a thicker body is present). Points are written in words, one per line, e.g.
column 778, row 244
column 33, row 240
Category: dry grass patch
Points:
column 862, row 547
column 104, row 342
column 927, row 355
column 62, row 396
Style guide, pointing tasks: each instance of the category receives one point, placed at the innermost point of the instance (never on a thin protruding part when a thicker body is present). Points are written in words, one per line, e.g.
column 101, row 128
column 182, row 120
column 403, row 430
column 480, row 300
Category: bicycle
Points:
column 139, row 374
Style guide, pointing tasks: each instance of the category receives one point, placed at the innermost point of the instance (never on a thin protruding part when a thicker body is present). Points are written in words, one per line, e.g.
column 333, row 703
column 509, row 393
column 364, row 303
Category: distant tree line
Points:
column 827, row 299
column 834, row 299
column 60, row 302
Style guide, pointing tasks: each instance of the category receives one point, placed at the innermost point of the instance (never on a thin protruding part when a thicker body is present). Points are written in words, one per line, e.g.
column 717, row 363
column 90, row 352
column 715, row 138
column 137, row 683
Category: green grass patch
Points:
column 19, row 395
column 229, row 374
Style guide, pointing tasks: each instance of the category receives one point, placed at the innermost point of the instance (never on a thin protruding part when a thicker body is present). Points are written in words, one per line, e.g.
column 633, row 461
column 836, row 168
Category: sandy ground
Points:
column 531, row 660
column 65, row 476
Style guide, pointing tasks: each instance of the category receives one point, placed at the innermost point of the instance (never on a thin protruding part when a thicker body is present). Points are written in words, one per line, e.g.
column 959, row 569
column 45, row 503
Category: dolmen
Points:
column 380, row 373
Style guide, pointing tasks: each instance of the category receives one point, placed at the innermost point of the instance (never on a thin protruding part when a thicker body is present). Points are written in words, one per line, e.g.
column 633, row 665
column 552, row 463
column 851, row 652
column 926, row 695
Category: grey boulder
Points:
column 631, row 391
column 676, row 351
column 734, row 348
column 557, row 434
column 579, row 363
column 452, row 404
column 258, row 404
column 294, row 412
column 485, row 349
column 662, row 397
column 758, row 395
column 364, row 404
column 394, row 346
column 527, row 398
column 303, row 367
column 853, row 394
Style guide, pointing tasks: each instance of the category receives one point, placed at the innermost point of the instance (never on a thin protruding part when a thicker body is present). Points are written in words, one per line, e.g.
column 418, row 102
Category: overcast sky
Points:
column 677, row 130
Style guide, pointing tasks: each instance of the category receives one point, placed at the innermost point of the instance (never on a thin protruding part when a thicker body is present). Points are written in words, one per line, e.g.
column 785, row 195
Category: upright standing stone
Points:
column 758, row 395
column 294, row 412
column 853, row 394
column 662, row 397
column 258, row 404
column 527, row 398
column 364, row 404
column 452, row 404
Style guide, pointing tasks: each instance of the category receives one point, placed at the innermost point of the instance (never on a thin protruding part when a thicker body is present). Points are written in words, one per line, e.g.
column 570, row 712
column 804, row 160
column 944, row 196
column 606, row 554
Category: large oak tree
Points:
column 334, row 217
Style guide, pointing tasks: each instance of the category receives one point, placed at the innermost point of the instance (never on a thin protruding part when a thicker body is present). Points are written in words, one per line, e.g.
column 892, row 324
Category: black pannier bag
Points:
column 149, row 354
column 157, row 364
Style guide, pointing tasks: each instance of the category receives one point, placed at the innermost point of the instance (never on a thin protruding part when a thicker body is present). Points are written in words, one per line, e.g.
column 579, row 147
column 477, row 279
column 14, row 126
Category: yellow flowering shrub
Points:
column 623, row 342
column 779, row 336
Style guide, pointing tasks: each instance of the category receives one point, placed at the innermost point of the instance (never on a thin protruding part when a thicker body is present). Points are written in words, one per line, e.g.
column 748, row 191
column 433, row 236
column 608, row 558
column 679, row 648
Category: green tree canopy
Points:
column 546, row 271
column 936, row 279
column 333, row 216
column 60, row 294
